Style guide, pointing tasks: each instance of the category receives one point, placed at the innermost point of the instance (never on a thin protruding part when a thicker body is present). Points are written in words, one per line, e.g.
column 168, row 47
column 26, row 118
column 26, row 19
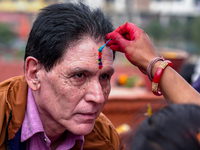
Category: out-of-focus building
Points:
column 175, row 7
column 184, row 9
column 26, row 6
column 19, row 14
column 138, row 11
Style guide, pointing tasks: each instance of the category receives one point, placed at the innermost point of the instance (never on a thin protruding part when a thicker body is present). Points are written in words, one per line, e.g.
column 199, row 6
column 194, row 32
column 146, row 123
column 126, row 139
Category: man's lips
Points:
column 87, row 116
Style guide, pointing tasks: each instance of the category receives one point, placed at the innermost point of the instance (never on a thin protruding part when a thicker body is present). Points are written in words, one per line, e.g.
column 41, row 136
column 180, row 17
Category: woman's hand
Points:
column 139, row 50
column 134, row 43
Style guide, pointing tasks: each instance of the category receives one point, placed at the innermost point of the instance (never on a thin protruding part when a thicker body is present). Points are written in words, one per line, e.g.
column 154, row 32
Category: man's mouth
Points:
column 88, row 116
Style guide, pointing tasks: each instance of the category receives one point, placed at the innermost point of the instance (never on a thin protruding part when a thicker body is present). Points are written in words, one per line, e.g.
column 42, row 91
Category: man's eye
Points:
column 79, row 75
column 105, row 77
column 78, row 79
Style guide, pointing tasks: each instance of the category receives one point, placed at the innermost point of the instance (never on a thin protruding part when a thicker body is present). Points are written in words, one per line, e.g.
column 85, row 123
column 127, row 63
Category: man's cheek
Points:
column 106, row 92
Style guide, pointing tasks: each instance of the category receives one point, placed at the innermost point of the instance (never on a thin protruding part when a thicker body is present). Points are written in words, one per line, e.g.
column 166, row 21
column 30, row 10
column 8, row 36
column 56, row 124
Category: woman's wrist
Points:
column 157, row 76
column 150, row 66
column 155, row 67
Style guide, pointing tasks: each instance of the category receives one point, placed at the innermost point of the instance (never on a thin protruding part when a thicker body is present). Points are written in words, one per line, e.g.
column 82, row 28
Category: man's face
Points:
column 74, row 92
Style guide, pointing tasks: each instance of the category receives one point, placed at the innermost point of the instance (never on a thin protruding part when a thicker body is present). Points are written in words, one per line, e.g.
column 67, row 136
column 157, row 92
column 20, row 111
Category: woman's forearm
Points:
column 174, row 88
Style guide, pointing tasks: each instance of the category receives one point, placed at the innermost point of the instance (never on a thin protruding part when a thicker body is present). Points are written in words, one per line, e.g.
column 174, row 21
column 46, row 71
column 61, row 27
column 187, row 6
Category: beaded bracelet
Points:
column 150, row 66
column 158, row 75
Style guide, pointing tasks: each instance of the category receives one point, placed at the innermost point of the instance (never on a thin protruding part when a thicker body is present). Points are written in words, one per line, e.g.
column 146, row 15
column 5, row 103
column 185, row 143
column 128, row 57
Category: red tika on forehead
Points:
column 100, row 51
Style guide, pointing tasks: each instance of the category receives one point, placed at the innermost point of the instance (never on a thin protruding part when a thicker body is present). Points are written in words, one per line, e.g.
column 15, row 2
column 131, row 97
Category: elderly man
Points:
column 57, row 104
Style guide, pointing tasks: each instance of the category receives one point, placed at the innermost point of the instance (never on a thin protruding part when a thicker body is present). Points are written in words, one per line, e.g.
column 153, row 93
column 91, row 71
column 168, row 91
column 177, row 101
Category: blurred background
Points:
column 172, row 25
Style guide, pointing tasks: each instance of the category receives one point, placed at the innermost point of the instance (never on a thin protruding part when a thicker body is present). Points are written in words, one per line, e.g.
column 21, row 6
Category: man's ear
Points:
column 32, row 67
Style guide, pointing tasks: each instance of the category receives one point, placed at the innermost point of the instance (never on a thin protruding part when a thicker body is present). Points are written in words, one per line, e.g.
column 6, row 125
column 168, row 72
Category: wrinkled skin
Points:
column 72, row 95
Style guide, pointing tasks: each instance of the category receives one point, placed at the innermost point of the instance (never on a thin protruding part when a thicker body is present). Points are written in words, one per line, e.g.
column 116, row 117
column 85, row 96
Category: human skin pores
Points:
column 73, row 93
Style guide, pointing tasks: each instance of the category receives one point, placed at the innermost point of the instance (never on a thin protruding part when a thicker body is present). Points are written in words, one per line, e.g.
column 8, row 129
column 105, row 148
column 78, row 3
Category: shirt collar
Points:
column 32, row 123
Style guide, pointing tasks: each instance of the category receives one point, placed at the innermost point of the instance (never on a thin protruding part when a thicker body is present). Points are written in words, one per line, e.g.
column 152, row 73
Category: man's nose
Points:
column 95, row 92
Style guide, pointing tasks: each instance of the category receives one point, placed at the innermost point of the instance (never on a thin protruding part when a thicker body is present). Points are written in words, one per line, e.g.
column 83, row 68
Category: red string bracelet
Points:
column 150, row 66
column 158, row 75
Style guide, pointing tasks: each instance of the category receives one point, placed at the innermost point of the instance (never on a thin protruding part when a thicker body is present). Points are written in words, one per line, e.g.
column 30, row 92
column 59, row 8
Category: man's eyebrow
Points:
column 112, row 70
column 78, row 69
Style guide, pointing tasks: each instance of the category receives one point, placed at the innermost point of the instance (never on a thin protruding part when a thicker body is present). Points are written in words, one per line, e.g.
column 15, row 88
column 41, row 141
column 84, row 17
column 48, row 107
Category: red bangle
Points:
column 158, row 75
column 150, row 66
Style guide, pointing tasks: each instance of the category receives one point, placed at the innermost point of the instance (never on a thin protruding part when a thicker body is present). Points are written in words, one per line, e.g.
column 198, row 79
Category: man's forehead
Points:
column 84, row 57
column 88, row 48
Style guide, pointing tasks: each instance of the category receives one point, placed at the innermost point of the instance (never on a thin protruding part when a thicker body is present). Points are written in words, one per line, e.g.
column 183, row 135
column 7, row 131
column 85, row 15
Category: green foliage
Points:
column 175, row 29
column 195, row 31
column 20, row 54
column 155, row 30
column 187, row 32
column 6, row 34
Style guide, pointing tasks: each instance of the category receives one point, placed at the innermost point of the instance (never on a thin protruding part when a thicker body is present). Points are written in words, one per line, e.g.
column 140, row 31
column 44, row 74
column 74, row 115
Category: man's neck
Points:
column 57, row 140
column 55, row 133
column 52, row 129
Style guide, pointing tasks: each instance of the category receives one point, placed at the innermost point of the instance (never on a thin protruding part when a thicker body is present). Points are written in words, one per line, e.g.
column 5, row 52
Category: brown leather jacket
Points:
column 13, row 97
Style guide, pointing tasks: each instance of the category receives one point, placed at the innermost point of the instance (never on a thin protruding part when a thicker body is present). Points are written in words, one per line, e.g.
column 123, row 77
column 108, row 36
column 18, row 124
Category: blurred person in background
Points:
column 176, row 127
column 186, row 72
column 57, row 104
column 196, row 76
